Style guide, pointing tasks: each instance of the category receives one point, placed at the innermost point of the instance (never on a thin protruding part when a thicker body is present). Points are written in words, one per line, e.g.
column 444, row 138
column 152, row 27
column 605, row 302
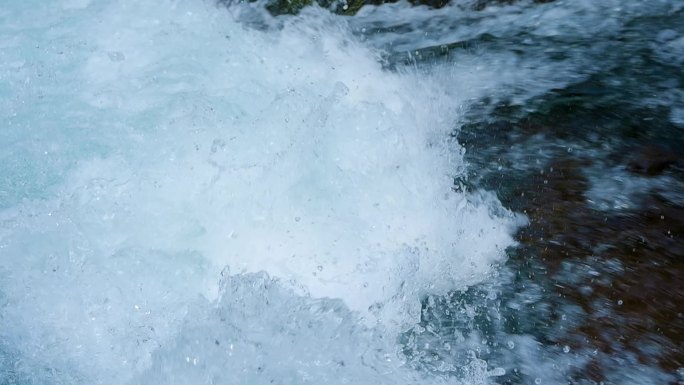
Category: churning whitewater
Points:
column 187, row 198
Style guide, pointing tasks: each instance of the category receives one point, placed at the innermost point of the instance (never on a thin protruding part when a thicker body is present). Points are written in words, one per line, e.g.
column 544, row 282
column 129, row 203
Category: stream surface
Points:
column 198, row 192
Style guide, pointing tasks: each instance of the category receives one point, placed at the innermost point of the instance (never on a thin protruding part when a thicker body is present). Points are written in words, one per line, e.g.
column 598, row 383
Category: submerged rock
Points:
column 653, row 160
column 351, row 7
column 616, row 271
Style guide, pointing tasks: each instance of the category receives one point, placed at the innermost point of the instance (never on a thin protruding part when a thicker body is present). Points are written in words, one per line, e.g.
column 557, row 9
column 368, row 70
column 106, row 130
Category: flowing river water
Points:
column 194, row 192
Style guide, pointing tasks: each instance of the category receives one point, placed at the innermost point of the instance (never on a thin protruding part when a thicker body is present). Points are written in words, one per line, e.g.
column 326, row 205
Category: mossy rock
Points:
column 293, row 7
column 287, row 7
column 347, row 8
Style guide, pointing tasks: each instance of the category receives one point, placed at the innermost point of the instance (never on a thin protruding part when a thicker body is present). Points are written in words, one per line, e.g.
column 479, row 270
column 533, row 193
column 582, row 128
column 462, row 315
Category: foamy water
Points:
column 148, row 147
column 202, row 194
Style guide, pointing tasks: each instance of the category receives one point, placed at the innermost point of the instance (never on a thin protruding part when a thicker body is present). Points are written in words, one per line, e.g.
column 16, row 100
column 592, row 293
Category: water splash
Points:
column 178, row 141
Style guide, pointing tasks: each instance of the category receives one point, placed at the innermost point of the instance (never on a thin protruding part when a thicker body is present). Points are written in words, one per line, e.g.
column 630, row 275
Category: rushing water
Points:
column 201, row 193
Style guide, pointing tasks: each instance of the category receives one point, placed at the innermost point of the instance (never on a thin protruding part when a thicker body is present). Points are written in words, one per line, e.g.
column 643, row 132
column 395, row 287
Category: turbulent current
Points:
column 195, row 193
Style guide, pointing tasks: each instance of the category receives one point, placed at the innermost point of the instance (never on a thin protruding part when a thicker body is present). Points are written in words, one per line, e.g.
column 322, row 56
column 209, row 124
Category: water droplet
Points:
column 537, row 380
column 569, row 149
column 511, row 344
column 319, row 267
column 620, row 302
column 566, row 349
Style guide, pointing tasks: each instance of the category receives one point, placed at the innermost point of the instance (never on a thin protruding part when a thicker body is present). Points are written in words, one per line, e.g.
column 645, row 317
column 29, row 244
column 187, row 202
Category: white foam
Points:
column 517, row 50
column 187, row 142
column 295, row 154
column 240, row 350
